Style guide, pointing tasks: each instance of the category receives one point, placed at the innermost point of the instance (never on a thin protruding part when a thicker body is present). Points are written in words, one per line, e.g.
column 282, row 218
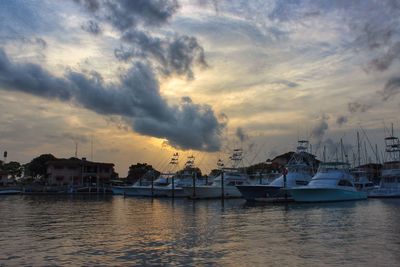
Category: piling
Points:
column 222, row 186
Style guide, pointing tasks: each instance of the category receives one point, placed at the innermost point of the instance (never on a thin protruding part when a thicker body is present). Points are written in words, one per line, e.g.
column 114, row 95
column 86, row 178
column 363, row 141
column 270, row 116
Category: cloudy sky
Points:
column 142, row 79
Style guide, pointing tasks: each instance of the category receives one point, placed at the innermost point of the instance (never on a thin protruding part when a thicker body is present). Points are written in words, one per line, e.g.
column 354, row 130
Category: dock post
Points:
column 285, row 183
column 173, row 186
column 194, row 185
column 222, row 186
column 152, row 185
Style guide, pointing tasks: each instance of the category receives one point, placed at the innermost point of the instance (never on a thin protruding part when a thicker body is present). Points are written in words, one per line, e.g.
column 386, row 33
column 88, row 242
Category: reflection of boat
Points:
column 299, row 169
column 333, row 182
column 224, row 184
column 9, row 192
column 389, row 186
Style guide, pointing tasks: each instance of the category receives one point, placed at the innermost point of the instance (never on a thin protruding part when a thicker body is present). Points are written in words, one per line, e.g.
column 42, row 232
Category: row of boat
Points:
column 299, row 181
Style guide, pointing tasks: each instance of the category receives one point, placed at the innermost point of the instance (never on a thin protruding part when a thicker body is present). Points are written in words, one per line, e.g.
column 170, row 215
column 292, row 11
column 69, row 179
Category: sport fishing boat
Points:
column 389, row 185
column 298, row 172
column 332, row 182
column 185, row 178
column 147, row 186
column 224, row 185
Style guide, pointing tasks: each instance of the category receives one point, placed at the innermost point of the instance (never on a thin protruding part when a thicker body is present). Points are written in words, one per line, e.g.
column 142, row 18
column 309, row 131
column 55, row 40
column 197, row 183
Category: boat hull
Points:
column 10, row 192
column 146, row 191
column 212, row 192
column 262, row 193
column 384, row 193
column 325, row 194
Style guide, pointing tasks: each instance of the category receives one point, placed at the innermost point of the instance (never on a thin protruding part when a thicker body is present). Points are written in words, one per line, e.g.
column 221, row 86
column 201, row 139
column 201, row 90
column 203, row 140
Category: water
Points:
column 107, row 230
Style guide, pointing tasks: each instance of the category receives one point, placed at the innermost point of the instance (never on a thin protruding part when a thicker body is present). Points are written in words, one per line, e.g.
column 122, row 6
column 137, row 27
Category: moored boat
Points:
column 389, row 185
column 299, row 172
column 332, row 182
column 224, row 185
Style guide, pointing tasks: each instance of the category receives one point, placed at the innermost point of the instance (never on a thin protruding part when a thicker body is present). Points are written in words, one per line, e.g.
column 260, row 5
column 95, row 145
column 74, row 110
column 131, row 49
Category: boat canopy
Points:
column 327, row 166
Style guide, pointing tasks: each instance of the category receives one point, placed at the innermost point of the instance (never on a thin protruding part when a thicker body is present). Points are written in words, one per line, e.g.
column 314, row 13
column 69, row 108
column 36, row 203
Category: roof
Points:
column 76, row 162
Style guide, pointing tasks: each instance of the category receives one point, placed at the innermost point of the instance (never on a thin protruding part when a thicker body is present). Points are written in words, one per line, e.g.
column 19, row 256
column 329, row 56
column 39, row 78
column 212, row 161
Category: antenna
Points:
column 324, row 154
column 76, row 149
column 91, row 148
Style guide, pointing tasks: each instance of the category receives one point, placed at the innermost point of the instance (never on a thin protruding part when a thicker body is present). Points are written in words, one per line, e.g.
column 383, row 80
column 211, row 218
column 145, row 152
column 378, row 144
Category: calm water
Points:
column 92, row 230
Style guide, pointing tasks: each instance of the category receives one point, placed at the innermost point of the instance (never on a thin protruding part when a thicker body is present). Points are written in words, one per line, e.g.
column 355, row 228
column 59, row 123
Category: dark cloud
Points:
column 92, row 27
column 287, row 83
column 341, row 120
column 373, row 36
column 319, row 130
column 175, row 55
column 91, row 5
column 391, row 88
column 355, row 107
column 125, row 14
column 136, row 97
column 384, row 61
column 241, row 135
column 39, row 42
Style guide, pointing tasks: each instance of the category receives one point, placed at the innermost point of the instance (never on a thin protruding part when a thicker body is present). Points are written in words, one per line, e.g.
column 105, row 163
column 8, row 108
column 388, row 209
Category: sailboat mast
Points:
column 341, row 149
column 358, row 149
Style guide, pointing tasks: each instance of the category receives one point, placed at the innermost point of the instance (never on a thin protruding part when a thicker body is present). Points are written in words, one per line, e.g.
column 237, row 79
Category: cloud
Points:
column 136, row 97
column 354, row 107
column 241, row 135
column 341, row 120
column 92, row 27
column 175, row 55
column 384, row 61
column 319, row 130
column 125, row 14
column 391, row 88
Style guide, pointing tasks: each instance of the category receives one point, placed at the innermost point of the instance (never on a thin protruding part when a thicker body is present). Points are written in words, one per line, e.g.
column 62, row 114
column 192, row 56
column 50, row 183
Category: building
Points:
column 79, row 172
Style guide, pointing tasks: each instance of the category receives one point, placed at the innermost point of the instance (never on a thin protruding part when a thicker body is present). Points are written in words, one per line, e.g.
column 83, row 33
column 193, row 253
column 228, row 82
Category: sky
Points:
column 136, row 81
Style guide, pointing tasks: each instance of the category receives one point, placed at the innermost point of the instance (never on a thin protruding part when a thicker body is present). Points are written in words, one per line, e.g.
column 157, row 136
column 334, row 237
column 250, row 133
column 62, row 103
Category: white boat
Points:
column 230, row 178
column 224, row 185
column 299, row 172
column 361, row 181
column 332, row 182
column 147, row 189
column 389, row 186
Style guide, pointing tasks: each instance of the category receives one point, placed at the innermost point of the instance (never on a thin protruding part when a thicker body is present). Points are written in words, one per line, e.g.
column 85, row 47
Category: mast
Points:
column 341, row 149
column 324, row 154
column 366, row 152
column 358, row 149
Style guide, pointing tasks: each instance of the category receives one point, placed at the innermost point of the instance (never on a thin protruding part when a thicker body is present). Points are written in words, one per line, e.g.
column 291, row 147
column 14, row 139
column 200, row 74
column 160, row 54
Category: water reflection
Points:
column 106, row 230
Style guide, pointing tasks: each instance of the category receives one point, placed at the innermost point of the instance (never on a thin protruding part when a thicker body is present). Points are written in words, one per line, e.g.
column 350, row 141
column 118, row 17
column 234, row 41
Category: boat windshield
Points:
column 323, row 182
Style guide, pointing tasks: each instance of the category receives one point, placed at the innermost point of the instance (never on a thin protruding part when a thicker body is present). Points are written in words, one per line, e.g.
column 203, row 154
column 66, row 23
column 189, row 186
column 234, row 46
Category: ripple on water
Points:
column 106, row 230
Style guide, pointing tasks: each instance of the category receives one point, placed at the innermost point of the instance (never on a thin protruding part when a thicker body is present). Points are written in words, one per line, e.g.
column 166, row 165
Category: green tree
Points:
column 13, row 168
column 37, row 166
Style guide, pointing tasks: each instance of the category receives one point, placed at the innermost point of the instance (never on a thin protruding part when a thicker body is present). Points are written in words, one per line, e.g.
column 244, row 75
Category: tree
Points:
column 37, row 166
column 13, row 168
column 138, row 171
